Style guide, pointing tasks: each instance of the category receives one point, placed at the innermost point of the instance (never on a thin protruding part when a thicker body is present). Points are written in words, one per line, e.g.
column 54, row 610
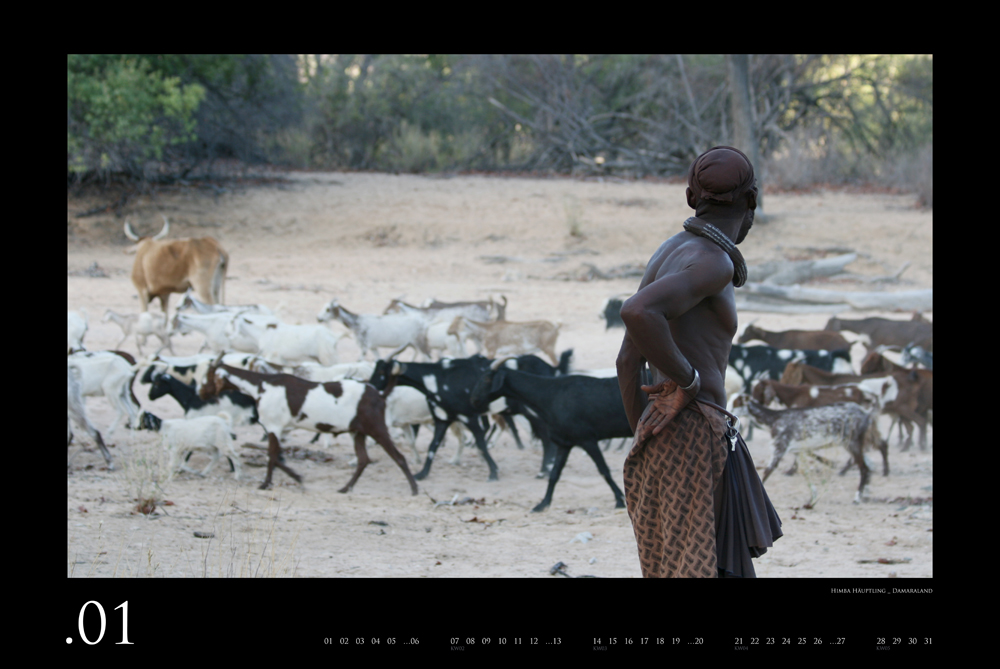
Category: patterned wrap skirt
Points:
column 697, row 505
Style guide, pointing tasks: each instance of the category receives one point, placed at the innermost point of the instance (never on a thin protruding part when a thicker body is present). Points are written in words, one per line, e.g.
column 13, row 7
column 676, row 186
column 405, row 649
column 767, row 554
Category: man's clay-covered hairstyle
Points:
column 722, row 175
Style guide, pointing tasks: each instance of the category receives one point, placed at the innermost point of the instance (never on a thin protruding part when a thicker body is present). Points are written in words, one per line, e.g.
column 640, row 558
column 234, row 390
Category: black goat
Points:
column 447, row 385
column 611, row 313
column 241, row 408
column 753, row 363
column 532, row 364
column 575, row 410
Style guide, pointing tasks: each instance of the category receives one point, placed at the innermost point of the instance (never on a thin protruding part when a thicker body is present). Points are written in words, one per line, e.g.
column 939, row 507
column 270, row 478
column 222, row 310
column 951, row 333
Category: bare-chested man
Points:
column 696, row 502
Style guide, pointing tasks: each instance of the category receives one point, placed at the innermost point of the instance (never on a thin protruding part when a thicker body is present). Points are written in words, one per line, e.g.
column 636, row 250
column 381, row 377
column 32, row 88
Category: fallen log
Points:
column 905, row 300
column 789, row 272
column 774, row 307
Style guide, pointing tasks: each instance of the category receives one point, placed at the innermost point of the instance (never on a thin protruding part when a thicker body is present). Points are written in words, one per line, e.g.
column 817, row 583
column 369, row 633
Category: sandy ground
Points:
column 368, row 238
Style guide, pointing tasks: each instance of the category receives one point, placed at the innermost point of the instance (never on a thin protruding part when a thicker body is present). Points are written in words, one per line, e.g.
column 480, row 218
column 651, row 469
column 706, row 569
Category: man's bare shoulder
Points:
column 688, row 252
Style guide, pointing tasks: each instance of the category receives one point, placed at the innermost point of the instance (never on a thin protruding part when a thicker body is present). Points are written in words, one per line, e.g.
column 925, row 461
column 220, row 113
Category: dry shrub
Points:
column 250, row 548
column 574, row 215
column 410, row 149
column 143, row 471
column 807, row 159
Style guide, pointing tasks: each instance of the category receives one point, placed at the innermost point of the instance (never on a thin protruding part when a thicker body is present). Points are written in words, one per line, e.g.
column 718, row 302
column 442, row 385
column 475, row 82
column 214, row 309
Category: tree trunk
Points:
column 744, row 137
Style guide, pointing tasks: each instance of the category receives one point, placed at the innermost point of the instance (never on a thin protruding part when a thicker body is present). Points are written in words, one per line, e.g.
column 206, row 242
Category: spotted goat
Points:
column 807, row 430
column 285, row 401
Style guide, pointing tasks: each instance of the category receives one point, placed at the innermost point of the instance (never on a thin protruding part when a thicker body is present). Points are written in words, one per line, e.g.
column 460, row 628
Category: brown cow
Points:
column 174, row 266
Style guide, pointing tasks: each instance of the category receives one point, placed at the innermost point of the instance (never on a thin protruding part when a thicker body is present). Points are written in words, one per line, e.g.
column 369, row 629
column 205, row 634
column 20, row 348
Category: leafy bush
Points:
column 121, row 113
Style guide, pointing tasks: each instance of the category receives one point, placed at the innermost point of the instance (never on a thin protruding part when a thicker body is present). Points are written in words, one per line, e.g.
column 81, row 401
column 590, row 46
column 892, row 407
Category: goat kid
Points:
column 212, row 434
column 143, row 324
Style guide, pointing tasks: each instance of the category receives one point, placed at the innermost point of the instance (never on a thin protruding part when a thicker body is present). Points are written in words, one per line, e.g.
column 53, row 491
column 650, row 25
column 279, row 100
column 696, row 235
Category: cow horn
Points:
column 166, row 228
column 130, row 233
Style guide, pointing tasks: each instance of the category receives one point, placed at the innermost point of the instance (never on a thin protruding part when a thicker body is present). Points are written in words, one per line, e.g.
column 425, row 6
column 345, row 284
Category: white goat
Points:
column 109, row 374
column 439, row 316
column 284, row 344
column 482, row 310
column 311, row 371
column 76, row 410
column 213, row 434
column 438, row 339
column 213, row 326
column 143, row 324
column 190, row 303
column 76, row 329
column 219, row 330
column 372, row 332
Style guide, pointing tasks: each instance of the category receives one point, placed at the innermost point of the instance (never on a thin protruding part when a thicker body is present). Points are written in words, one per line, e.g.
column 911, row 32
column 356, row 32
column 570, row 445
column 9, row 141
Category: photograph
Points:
column 434, row 334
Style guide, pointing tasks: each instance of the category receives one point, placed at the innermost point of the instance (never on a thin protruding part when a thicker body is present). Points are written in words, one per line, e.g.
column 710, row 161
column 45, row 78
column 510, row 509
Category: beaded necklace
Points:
column 713, row 234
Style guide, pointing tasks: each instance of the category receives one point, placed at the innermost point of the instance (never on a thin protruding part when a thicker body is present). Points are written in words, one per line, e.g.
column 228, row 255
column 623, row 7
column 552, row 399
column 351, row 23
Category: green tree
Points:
column 121, row 113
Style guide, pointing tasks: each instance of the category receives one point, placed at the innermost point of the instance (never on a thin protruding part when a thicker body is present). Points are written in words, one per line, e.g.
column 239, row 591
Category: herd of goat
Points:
column 259, row 370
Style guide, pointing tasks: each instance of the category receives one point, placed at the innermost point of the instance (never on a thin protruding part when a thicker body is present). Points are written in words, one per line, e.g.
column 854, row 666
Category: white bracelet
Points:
column 693, row 382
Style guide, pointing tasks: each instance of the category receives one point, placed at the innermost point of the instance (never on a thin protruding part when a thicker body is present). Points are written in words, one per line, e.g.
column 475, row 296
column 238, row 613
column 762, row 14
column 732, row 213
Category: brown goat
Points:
column 285, row 401
column 173, row 266
column 797, row 339
column 922, row 402
column 867, row 394
column 908, row 407
column 887, row 332
column 509, row 338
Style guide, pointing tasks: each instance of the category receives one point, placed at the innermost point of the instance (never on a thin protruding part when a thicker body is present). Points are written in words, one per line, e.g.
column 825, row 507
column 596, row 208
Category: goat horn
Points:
column 130, row 233
column 166, row 228
column 496, row 364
